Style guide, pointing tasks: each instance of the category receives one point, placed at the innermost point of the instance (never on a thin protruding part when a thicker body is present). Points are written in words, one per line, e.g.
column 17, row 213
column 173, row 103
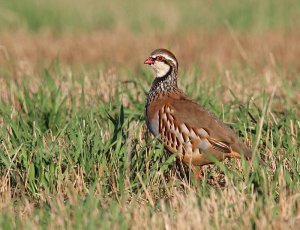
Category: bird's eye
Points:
column 159, row 58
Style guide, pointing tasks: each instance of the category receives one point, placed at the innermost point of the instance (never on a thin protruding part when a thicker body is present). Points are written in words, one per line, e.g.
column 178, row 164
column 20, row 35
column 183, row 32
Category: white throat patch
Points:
column 160, row 68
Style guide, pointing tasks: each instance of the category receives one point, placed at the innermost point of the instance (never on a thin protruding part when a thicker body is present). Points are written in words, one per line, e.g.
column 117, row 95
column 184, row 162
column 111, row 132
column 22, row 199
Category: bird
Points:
column 187, row 129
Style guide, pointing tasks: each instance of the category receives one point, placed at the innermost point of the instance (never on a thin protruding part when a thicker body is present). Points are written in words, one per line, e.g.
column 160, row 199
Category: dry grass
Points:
column 210, row 51
column 230, row 208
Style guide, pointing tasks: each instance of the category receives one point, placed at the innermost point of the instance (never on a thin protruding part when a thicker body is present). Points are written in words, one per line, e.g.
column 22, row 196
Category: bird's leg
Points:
column 197, row 175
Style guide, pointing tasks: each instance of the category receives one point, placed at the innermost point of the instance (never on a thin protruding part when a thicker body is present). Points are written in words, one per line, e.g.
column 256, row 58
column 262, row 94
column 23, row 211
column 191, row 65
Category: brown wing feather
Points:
column 220, row 145
column 221, row 136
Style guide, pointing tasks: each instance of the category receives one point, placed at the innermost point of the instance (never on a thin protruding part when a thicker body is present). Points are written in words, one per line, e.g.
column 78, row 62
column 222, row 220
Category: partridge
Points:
column 184, row 127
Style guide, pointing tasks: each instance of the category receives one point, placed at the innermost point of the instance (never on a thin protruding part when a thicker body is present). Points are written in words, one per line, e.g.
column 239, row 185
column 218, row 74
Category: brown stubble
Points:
column 220, row 49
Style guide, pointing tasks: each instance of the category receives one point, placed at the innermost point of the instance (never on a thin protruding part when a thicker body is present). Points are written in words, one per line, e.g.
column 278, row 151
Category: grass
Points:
column 74, row 151
column 70, row 158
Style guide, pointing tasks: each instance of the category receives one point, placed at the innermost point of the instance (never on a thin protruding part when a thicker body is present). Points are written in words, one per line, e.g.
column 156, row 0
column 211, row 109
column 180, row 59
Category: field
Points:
column 74, row 150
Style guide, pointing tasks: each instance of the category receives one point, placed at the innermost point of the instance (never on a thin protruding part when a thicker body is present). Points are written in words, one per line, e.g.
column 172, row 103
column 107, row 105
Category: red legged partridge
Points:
column 186, row 128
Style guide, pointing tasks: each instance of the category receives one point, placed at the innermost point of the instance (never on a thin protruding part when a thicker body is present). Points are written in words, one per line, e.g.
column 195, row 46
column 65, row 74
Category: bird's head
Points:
column 162, row 61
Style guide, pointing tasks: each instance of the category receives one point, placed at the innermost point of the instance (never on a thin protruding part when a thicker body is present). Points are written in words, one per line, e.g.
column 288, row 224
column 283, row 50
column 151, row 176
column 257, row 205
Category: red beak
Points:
column 149, row 61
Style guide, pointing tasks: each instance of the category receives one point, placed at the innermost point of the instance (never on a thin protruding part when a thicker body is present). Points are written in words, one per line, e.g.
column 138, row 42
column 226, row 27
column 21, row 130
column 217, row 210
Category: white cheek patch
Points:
column 161, row 68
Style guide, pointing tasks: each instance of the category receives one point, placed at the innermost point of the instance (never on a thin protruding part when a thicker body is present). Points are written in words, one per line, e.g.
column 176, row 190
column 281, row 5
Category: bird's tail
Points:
column 243, row 150
column 246, row 152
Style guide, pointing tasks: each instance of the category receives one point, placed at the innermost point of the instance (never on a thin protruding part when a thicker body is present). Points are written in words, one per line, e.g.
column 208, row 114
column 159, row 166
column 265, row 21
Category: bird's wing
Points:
column 212, row 133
